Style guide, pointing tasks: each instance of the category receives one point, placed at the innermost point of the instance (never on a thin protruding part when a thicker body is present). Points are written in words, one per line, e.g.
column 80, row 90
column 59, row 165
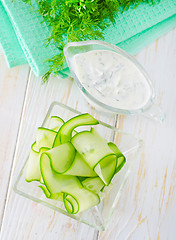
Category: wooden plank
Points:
column 147, row 206
column 29, row 220
column 13, row 84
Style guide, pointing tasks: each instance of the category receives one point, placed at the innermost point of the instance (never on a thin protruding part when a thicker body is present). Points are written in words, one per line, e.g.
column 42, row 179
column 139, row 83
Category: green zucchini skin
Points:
column 55, row 123
column 79, row 197
column 96, row 153
column 121, row 159
column 33, row 165
column 94, row 184
column 65, row 160
column 45, row 137
column 61, row 157
column 73, row 167
column 65, row 132
column 56, row 196
column 80, row 168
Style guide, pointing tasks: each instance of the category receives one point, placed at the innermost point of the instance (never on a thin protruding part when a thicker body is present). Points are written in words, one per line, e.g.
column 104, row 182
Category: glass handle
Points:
column 154, row 112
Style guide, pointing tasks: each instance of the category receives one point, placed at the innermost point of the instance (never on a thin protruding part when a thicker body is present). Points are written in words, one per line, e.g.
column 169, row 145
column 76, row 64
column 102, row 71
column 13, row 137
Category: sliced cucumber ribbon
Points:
column 79, row 197
column 79, row 167
column 121, row 160
column 94, row 184
column 73, row 167
column 65, row 132
column 65, row 160
column 96, row 153
column 45, row 137
column 56, row 196
column 61, row 157
column 44, row 140
column 33, row 172
column 55, row 123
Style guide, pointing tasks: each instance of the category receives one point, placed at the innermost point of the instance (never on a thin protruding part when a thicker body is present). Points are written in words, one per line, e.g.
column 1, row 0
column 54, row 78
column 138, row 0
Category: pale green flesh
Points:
column 73, row 168
column 121, row 160
column 70, row 185
column 120, row 163
column 62, row 157
column 65, row 160
column 51, row 178
column 66, row 130
column 96, row 153
column 90, row 147
column 45, row 137
column 94, row 184
column 106, row 168
column 55, row 123
column 79, row 167
column 56, row 196
column 95, row 132
column 33, row 165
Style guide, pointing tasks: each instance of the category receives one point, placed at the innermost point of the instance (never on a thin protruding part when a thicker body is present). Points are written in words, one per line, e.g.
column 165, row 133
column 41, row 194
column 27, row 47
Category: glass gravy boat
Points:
column 150, row 109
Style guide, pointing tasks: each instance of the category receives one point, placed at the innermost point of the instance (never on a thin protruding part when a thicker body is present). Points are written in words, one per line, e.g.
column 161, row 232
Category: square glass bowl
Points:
column 98, row 216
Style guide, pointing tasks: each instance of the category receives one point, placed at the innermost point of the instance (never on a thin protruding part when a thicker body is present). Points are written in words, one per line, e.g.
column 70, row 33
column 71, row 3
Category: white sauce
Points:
column 112, row 79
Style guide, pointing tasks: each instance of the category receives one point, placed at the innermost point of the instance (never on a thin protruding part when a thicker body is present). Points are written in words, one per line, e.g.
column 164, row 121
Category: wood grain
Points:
column 31, row 220
column 12, row 91
column 146, row 207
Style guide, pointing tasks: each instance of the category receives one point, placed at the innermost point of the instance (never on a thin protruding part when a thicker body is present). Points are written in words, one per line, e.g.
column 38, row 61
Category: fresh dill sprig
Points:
column 78, row 20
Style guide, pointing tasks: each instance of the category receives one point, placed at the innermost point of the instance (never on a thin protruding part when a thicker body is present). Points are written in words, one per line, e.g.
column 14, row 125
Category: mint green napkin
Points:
column 22, row 36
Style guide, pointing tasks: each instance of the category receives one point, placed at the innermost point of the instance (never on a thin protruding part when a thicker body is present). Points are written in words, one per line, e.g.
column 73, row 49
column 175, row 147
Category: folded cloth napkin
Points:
column 23, row 36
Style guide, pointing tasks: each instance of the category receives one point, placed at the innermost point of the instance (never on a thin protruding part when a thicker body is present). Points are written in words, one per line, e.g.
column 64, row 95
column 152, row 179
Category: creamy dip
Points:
column 112, row 79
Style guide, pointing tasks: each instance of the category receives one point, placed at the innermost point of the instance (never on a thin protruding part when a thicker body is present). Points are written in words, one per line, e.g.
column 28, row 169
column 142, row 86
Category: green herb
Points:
column 78, row 20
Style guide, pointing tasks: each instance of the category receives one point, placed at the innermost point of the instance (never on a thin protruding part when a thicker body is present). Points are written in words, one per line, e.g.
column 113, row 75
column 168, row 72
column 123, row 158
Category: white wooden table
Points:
column 147, row 207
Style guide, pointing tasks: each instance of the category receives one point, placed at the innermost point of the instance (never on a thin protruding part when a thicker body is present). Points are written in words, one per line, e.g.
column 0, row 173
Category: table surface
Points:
column 146, row 209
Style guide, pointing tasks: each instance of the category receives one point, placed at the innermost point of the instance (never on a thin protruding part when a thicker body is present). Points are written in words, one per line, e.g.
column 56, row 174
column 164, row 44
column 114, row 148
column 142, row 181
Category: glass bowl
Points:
column 98, row 216
column 150, row 109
